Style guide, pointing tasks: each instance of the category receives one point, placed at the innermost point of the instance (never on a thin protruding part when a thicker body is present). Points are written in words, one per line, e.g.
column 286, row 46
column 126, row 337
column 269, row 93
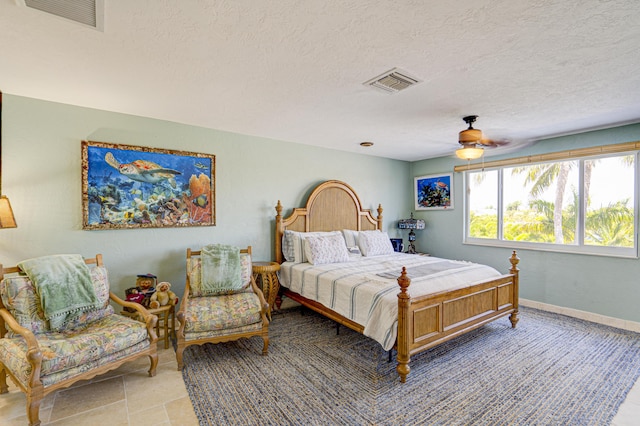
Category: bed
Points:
column 374, row 294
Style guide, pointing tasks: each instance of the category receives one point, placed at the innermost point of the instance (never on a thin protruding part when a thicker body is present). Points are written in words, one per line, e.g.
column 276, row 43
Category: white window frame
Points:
column 578, row 247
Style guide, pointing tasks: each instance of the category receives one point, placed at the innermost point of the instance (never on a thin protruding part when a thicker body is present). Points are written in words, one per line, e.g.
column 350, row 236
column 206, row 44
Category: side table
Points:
column 165, row 314
column 266, row 276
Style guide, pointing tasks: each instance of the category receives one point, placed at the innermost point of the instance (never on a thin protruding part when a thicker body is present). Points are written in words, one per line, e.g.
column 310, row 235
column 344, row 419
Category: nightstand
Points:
column 266, row 276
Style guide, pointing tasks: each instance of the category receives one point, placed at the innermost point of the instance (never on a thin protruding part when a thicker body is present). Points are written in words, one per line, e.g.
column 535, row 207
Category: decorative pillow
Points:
column 100, row 281
column 298, row 242
column 325, row 249
column 350, row 237
column 375, row 243
column 20, row 298
column 287, row 246
column 63, row 284
column 195, row 277
column 354, row 251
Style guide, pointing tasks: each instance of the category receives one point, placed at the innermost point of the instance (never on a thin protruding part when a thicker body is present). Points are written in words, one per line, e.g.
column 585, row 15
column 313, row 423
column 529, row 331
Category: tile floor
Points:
column 629, row 411
column 128, row 396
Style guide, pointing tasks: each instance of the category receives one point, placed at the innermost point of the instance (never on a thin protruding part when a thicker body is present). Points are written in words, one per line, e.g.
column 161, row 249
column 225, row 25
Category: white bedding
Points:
column 356, row 291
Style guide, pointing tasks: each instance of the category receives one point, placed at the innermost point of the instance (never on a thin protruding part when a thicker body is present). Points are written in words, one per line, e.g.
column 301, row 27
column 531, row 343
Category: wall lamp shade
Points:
column 7, row 220
column 469, row 152
column 411, row 224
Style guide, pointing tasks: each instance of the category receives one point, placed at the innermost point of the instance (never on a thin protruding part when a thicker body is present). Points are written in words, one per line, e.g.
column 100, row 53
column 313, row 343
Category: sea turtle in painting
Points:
column 142, row 170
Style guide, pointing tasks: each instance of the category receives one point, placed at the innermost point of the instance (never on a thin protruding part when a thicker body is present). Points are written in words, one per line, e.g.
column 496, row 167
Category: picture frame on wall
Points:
column 128, row 186
column 434, row 192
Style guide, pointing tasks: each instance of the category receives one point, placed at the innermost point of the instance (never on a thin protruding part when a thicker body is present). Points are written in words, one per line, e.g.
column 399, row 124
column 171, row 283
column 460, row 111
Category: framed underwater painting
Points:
column 434, row 192
column 127, row 186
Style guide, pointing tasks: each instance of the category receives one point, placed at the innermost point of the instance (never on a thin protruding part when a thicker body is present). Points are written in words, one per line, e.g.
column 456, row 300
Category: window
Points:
column 583, row 205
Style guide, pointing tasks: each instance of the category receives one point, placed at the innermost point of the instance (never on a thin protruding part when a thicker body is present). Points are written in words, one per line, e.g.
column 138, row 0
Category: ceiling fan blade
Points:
column 493, row 143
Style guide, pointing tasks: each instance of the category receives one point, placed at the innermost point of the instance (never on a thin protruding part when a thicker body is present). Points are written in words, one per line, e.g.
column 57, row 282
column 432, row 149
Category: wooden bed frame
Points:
column 423, row 322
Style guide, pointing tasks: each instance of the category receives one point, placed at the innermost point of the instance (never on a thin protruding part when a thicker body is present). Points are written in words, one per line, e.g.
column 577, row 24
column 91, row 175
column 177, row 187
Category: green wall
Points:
column 41, row 175
column 599, row 284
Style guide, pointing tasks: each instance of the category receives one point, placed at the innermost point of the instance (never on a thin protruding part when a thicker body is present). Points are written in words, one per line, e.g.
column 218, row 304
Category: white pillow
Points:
column 287, row 246
column 374, row 243
column 297, row 241
column 325, row 249
column 350, row 237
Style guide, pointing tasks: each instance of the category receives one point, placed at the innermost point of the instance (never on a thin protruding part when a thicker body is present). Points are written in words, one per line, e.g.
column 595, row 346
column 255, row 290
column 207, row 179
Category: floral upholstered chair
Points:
column 223, row 313
column 42, row 354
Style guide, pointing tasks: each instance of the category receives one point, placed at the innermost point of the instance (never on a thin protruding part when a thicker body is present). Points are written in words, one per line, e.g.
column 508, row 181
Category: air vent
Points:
column 86, row 12
column 392, row 81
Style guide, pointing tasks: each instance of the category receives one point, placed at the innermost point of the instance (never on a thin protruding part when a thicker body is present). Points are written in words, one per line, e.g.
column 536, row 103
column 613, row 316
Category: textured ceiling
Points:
column 293, row 70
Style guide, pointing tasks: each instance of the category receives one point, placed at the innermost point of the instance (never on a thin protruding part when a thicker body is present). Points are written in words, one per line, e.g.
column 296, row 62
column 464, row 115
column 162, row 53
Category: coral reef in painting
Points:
column 128, row 188
column 198, row 201
column 434, row 192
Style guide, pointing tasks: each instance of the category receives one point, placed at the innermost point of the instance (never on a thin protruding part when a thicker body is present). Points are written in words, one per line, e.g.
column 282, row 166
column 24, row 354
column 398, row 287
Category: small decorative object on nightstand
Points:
column 266, row 276
column 411, row 224
column 145, row 293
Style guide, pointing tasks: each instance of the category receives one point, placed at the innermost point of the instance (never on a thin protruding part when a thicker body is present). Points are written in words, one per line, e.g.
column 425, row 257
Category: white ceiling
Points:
column 293, row 69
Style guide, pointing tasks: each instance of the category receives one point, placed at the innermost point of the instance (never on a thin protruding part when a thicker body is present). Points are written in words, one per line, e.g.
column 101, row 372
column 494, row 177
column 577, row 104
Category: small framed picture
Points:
column 434, row 192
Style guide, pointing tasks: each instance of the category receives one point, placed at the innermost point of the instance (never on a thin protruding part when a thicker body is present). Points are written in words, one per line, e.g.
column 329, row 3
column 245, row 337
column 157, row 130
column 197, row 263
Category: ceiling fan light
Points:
column 469, row 153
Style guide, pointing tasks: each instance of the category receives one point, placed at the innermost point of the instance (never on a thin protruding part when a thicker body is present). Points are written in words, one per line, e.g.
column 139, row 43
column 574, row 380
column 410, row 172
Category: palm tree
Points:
column 543, row 176
column 611, row 225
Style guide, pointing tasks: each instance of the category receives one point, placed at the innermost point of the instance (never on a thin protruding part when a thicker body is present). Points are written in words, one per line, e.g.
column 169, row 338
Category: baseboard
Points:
column 584, row 315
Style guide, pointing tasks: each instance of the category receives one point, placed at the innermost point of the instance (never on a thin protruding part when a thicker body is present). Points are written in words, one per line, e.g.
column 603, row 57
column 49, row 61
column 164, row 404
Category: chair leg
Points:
column 179, row 351
column 3, row 380
column 33, row 407
column 265, row 347
column 154, row 363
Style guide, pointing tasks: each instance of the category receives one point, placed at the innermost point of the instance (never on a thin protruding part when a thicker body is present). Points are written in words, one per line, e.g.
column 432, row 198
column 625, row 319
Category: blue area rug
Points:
column 550, row 370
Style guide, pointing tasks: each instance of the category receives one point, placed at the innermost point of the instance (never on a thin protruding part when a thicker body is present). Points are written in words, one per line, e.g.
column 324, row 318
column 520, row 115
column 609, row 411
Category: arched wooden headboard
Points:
column 332, row 206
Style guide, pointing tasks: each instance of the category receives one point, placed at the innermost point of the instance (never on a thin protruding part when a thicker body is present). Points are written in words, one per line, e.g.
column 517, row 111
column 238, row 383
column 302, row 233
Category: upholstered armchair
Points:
column 219, row 315
column 42, row 354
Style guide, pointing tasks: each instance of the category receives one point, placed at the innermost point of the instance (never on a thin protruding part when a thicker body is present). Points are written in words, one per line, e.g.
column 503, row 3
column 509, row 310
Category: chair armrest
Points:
column 263, row 301
column 11, row 322
column 150, row 320
column 34, row 355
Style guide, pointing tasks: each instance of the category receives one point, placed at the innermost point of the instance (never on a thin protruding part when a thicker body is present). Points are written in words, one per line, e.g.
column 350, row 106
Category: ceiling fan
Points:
column 473, row 141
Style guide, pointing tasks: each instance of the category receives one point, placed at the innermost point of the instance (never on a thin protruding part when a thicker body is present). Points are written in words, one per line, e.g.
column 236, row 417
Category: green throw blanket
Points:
column 221, row 270
column 63, row 283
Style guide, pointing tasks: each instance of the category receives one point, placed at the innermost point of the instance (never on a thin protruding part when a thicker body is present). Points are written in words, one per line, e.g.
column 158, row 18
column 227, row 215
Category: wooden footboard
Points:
column 427, row 321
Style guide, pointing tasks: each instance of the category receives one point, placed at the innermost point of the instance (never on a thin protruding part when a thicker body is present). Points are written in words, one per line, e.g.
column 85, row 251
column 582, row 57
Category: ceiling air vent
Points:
column 392, row 81
column 86, row 12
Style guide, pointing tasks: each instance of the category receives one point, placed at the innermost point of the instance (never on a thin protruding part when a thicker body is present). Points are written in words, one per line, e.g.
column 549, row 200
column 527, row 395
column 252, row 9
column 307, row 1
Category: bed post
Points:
column 279, row 232
column 379, row 218
column 404, row 300
column 514, row 259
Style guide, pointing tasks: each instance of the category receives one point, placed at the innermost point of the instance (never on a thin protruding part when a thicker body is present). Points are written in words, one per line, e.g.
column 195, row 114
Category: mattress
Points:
column 365, row 289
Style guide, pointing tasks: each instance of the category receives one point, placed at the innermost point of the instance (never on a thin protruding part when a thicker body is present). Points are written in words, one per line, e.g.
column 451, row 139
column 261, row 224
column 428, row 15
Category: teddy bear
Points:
column 145, row 285
column 163, row 296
